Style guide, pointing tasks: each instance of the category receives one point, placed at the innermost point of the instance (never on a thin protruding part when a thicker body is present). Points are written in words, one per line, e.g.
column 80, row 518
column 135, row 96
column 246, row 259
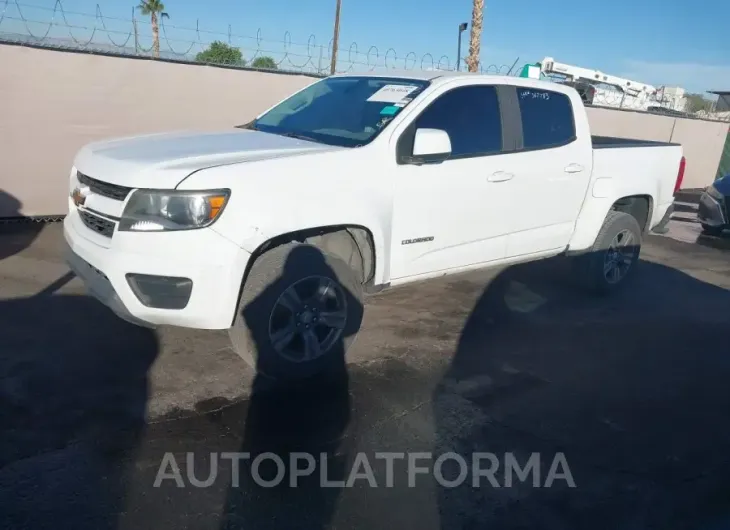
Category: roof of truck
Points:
column 440, row 75
column 425, row 75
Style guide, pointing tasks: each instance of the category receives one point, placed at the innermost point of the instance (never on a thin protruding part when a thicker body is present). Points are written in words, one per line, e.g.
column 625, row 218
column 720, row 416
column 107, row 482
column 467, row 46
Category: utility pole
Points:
column 462, row 29
column 335, row 38
column 136, row 34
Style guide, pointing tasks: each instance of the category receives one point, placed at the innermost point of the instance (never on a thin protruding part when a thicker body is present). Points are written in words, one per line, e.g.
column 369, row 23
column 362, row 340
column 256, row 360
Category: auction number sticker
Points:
column 392, row 93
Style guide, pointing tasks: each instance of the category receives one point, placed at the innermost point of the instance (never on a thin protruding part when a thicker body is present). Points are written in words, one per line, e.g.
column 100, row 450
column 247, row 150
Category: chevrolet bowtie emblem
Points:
column 78, row 196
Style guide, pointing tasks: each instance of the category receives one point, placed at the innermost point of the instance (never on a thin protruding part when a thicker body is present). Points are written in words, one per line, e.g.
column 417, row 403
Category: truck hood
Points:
column 165, row 160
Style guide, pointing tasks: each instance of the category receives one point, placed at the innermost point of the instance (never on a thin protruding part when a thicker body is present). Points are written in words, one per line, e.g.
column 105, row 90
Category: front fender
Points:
column 276, row 197
column 254, row 236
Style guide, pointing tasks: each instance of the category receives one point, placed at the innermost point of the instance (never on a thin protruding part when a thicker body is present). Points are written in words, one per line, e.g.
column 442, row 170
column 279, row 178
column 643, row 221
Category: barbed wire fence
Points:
column 59, row 27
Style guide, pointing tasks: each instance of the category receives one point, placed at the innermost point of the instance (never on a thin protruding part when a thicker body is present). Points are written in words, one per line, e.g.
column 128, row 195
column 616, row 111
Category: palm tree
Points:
column 152, row 8
column 475, row 39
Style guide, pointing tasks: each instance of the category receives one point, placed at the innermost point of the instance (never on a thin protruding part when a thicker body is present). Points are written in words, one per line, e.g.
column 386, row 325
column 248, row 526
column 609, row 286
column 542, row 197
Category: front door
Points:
column 454, row 213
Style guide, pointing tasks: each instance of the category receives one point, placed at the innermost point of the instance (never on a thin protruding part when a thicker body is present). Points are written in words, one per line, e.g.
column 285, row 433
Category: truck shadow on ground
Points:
column 73, row 394
column 15, row 236
column 631, row 388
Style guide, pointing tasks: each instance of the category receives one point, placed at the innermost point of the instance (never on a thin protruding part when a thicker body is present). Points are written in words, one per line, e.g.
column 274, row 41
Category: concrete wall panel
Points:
column 53, row 102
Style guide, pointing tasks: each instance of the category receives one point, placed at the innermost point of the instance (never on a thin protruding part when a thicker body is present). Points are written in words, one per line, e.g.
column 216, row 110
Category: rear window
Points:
column 547, row 118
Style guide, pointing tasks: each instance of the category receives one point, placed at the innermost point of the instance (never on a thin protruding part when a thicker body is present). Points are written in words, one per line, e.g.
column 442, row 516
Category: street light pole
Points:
column 335, row 38
column 462, row 29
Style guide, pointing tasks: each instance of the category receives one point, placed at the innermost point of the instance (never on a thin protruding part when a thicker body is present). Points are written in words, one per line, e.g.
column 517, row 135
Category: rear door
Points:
column 552, row 164
column 454, row 213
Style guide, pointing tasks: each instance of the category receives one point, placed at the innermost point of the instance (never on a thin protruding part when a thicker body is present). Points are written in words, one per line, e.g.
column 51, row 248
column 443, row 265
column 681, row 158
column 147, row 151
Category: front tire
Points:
column 299, row 312
column 611, row 263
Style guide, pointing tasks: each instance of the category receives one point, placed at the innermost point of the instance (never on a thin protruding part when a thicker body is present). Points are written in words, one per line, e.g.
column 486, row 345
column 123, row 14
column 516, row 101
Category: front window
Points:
column 342, row 111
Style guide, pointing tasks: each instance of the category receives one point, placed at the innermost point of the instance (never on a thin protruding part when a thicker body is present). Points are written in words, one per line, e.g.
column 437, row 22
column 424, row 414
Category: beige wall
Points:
column 703, row 141
column 52, row 103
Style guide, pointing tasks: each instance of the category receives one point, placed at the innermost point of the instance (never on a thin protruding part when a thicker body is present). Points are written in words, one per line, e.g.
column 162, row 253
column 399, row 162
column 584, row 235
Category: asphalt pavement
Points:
column 107, row 425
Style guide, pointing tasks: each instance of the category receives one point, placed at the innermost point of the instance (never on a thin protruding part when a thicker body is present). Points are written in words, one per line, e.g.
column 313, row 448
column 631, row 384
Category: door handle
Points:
column 573, row 168
column 500, row 176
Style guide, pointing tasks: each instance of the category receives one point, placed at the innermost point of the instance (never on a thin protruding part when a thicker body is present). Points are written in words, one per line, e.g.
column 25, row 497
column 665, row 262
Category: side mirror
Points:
column 431, row 145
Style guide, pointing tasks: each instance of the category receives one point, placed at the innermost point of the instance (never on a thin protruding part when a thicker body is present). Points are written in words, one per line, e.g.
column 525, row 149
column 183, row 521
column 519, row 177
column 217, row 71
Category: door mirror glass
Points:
column 431, row 143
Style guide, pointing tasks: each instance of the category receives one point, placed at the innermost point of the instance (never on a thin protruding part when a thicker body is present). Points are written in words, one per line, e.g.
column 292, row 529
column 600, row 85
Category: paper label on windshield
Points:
column 392, row 93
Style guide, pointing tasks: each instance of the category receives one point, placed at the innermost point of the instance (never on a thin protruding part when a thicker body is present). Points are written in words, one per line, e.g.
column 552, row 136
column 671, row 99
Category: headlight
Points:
column 713, row 192
column 164, row 210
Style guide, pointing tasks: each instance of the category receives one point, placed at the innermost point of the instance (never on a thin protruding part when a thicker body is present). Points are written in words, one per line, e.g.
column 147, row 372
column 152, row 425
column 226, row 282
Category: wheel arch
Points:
column 361, row 236
column 596, row 211
column 640, row 207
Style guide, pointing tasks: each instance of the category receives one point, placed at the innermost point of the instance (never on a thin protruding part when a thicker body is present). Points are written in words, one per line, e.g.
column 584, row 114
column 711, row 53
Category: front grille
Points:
column 97, row 224
column 118, row 193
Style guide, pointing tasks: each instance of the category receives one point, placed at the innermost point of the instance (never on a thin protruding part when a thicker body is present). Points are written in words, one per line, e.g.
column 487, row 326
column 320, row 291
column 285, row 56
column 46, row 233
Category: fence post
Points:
column 136, row 34
column 336, row 38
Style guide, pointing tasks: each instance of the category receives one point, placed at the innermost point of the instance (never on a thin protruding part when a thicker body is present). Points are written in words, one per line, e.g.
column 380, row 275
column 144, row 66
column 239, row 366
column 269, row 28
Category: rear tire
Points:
column 292, row 290
column 612, row 261
column 714, row 231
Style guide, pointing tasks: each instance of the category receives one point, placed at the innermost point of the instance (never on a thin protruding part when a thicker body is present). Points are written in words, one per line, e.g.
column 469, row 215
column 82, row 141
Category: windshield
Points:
column 342, row 111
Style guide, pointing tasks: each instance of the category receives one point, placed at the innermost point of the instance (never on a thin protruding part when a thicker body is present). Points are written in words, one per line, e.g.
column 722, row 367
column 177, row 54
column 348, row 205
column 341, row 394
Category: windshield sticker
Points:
column 390, row 110
column 392, row 93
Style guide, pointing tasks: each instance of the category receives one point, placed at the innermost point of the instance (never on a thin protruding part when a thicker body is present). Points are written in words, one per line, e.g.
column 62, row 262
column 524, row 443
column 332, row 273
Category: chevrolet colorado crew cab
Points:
column 276, row 229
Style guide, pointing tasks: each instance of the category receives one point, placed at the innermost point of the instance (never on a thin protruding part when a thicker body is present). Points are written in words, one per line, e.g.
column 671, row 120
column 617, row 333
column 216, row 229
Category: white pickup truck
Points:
column 351, row 185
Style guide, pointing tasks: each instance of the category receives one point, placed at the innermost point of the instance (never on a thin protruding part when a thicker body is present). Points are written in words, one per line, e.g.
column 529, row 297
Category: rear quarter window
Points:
column 547, row 118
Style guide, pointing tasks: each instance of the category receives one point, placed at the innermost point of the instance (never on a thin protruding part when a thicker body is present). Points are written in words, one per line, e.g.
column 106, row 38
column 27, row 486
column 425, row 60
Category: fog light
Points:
column 161, row 292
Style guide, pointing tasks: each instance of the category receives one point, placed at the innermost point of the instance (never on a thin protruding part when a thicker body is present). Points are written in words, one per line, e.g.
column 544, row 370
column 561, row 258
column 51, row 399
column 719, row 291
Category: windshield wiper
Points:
column 251, row 126
column 298, row 136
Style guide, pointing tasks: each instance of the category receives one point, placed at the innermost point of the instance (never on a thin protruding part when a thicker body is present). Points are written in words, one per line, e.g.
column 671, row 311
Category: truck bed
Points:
column 611, row 142
column 630, row 168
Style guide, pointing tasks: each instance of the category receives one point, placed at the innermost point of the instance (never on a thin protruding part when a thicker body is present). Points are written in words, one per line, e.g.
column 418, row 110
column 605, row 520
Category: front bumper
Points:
column 712, row 211
column 100, row 287
column 214, row 264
